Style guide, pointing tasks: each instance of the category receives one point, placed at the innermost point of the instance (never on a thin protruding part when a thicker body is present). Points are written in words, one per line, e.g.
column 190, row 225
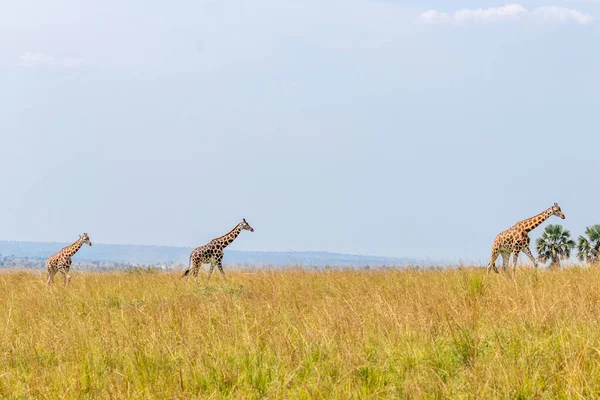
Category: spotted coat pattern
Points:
column 212, row 252
column 516, row 239
column 61, row 261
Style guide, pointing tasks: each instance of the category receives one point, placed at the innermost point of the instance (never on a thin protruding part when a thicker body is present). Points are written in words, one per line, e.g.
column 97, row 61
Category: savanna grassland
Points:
column 302, row 334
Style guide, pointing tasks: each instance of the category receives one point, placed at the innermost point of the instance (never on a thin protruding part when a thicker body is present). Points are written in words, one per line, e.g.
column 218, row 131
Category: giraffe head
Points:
column 86, row 239
column 246, row 226
column 557, row 211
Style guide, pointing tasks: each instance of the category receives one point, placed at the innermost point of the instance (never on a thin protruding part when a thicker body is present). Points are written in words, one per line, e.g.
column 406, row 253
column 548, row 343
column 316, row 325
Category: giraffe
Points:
column 61, row 261
column 516, row 239
column 212, row 252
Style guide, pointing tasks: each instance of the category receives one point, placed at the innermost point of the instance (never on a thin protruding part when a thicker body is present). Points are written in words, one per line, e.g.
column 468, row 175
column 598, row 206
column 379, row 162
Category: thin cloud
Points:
column 506, row 13
column 41, row 60
column 561, row 15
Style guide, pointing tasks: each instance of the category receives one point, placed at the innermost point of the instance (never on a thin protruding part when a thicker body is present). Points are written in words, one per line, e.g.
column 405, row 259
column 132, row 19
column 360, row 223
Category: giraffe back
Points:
column 211, row 251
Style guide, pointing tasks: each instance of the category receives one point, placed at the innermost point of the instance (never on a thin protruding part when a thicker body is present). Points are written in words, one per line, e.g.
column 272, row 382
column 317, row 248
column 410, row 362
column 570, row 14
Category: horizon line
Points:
column 245, row 251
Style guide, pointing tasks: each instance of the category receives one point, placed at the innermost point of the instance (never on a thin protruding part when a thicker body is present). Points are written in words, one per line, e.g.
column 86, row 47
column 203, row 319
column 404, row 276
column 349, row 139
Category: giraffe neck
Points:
column 226, row 239
column 72, row 249
column 530, row 224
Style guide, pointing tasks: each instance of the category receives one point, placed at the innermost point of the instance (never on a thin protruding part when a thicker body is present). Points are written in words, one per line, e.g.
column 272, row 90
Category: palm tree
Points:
column 554, row 244
column 588, row 248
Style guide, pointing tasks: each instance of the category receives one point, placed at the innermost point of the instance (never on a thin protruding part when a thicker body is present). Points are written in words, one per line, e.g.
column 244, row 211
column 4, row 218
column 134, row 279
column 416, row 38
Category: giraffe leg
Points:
column 50, row 279
column 505, row 260
column 515, row 259
column 220, row 265
column 492, row 264
column 196, row 269
column 527, row 251
column 212, row 267
column 66, row 276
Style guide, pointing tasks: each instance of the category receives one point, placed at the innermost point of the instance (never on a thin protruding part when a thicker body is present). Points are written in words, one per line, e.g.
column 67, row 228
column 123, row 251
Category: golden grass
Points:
column 302, row 334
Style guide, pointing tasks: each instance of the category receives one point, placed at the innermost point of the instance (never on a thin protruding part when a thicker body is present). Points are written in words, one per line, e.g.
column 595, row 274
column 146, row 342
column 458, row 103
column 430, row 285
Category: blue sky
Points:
column 416, row 129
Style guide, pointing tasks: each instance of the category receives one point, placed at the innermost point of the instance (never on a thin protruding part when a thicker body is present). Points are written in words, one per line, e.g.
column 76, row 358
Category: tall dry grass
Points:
column 302, row 334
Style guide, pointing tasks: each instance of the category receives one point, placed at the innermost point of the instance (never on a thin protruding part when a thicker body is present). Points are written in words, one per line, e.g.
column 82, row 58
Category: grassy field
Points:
column 302, row 334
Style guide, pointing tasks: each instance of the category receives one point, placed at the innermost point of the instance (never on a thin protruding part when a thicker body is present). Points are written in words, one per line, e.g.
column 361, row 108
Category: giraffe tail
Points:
column 187, row 271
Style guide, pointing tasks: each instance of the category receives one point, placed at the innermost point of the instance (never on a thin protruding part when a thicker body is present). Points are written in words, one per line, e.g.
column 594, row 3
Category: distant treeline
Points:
column 35, row 253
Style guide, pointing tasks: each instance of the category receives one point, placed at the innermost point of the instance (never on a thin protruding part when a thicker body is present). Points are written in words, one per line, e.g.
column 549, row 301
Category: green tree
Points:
column 588, row 248
column 554, row 245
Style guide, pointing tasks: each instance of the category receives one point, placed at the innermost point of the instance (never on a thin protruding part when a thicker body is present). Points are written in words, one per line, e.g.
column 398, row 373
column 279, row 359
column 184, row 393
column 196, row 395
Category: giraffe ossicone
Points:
column 516, row 239
column 61, row 261
column 212, row 252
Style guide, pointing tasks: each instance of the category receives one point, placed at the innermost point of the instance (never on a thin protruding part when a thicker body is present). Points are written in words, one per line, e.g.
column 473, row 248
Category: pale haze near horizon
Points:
column 360, row 127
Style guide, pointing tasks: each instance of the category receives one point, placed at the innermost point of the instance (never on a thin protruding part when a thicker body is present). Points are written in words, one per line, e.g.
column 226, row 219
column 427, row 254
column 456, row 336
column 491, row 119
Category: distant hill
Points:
column 152, row 255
